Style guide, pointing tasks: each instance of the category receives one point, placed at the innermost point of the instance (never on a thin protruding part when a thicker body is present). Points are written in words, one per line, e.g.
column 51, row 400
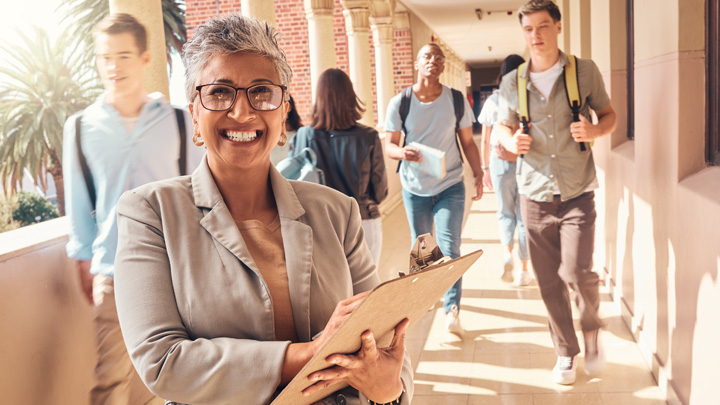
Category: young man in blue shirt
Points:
column 431, row 121
column 128, row 138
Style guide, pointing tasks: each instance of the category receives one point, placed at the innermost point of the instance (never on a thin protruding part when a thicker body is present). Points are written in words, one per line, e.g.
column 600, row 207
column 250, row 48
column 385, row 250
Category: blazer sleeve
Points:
column 365, row 278
column 378, row 173
column 172, row 365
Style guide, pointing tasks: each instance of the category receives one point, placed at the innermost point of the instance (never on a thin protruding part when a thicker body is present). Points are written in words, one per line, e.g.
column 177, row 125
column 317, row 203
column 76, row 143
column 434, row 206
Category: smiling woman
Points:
column 223, row 278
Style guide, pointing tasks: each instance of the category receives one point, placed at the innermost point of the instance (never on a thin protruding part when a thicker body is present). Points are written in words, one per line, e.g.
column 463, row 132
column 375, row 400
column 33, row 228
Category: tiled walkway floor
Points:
column 506, row 355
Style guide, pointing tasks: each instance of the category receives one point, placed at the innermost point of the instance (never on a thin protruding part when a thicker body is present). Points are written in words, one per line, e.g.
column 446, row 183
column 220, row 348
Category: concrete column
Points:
column 357, row 27
column 321, row 38
column 262, row 10
column 149, row 13
column 382, row 29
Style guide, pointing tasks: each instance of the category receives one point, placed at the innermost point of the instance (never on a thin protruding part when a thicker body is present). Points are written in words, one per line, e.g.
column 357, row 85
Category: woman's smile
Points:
column 241, row 136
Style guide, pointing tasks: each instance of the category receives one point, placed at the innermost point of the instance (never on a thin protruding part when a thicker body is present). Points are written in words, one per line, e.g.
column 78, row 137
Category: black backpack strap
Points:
column 404, row 110
column 459, row 104
column 83, row 163
column 182, row 159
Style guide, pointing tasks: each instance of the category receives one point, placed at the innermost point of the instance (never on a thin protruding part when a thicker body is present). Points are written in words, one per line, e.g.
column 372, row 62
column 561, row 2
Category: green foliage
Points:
column 41, row 85
column 33, row 208
column 83, row 15
column 7, row 206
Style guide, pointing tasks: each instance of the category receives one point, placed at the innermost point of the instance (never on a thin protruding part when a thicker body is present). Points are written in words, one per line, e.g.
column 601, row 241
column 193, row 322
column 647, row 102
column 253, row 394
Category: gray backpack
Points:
column 302, row 165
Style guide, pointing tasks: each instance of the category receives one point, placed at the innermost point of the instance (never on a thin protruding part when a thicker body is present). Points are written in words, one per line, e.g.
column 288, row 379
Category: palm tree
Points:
column 41, row 85
column 83, row 15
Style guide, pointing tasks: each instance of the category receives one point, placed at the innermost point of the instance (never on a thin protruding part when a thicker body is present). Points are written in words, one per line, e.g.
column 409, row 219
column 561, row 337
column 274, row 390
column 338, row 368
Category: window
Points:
column 712, row 71
column 630, row 59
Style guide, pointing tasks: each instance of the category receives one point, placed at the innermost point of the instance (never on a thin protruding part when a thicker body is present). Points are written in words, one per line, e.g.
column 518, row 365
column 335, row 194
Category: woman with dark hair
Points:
column 292, row 124
column 499, row 166
column 348, row 152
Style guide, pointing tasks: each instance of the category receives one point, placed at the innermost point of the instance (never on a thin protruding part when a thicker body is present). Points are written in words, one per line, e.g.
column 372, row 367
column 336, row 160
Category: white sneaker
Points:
column 452, row 321
column 564, row 371
column 522, row 278
column 594, row 354
column 508, row 267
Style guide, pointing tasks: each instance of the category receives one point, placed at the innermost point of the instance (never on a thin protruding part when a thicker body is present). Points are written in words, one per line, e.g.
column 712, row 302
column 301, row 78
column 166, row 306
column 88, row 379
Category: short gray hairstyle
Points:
column 229, row 34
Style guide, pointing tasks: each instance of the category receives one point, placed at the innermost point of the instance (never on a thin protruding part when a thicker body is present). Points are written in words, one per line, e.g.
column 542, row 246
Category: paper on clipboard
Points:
column 408, row 296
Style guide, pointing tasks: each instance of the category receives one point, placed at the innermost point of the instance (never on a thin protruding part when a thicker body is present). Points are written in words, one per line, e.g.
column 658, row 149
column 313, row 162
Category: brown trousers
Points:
column 117, row 381
column 561, row 237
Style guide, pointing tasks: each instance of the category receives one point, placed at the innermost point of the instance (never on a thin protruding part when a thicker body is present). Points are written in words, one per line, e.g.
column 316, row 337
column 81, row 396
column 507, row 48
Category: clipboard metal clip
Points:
column 424, row 253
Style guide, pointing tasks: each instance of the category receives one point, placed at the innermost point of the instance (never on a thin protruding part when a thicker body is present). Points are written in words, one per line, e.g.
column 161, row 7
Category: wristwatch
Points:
column 393, row 402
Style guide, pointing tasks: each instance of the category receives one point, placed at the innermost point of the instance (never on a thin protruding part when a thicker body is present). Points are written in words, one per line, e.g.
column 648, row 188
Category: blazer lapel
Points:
column 217, row 217
column 298, row 245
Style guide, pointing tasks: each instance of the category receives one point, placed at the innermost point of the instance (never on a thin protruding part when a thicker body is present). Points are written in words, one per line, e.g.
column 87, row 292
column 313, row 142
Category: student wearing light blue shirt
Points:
column 128, row 138
column 431, row 121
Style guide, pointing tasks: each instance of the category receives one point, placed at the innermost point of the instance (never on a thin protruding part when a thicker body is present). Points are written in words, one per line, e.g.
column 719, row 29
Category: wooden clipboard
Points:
column 409, row 296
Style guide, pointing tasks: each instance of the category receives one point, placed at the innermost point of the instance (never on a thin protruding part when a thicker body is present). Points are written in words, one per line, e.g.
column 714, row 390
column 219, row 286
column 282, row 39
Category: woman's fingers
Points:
column 400, row 332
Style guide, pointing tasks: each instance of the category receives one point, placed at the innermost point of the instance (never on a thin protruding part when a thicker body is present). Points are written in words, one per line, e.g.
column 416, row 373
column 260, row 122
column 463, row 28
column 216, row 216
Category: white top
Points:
column 544, row 81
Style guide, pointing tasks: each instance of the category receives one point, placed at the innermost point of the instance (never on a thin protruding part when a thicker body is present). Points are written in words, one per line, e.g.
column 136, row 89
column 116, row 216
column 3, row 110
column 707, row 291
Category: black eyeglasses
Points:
column 221, row 97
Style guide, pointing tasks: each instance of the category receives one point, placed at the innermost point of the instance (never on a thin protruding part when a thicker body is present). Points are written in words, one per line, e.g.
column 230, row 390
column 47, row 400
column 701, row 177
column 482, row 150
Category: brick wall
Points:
column 292, row 24
column 403, row 59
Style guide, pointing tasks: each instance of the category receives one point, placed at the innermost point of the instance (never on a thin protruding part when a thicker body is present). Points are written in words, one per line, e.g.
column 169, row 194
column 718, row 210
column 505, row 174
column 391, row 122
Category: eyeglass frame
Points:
column 237, row 89
column 438, row 57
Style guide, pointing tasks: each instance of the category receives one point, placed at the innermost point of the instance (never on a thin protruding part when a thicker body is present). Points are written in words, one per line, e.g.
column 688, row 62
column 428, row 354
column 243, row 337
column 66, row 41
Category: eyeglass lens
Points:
column 262, row 97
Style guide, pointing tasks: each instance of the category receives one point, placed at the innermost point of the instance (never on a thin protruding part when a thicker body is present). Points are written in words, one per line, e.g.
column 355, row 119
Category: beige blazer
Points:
column 195, row 313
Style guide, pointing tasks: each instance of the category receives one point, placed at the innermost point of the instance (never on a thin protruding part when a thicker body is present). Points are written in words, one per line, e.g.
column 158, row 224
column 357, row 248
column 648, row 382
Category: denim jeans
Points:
column 446, row 211
column 502, row 175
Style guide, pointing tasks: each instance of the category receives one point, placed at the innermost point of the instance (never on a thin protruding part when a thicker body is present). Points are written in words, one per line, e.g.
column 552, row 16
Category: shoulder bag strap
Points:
column 459, row 104
column 182, row 159
column 83, row 162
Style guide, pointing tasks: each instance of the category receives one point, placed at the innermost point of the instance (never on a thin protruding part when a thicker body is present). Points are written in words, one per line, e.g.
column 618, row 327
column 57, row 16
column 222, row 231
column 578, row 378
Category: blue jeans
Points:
column 446, row 210
column 502, row 175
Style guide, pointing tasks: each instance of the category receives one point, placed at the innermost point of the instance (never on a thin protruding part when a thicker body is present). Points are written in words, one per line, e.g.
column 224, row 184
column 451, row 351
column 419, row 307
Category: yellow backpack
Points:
column 572, row 85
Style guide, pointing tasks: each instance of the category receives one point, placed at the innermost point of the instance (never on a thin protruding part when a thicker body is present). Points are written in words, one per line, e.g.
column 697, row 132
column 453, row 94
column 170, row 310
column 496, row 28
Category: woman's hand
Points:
column 374, row 372
column 342, row 311
column 487, row 179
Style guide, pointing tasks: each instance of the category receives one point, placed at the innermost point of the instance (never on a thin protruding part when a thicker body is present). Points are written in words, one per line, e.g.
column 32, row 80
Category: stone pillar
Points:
column 149, row 13
column 382, row 29
column 262, row 10
column 321, row 38
column 357, row 27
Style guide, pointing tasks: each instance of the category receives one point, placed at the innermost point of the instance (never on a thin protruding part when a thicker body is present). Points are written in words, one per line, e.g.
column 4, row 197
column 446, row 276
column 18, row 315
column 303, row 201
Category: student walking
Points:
column 556, row 178
column 432, row 118
column 125, row 139
column 349, row 153
column 499, row 174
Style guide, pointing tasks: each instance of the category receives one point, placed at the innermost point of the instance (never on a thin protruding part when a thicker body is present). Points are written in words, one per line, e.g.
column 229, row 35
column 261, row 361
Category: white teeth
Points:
column 241, row 136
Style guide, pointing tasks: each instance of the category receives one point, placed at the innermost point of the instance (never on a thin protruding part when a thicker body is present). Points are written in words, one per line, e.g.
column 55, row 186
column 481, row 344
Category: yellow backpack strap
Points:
column 523, row 110
column 572, row 89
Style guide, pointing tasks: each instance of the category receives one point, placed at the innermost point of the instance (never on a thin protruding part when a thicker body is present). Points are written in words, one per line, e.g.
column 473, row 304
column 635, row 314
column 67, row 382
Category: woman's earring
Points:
column 283, row 139
column 197, row 140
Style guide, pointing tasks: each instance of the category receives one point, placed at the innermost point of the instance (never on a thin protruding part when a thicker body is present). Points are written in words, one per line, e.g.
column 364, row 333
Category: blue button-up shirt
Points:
column 118, row 161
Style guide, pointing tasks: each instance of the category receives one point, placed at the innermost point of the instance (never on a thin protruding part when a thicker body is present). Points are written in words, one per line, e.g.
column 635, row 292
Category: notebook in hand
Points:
column 433, row 160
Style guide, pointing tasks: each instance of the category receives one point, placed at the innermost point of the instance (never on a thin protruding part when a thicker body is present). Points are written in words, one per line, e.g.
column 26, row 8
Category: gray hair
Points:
column 228, row 34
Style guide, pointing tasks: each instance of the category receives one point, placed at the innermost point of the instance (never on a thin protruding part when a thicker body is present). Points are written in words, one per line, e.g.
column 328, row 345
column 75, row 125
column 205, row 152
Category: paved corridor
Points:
column 506, row 355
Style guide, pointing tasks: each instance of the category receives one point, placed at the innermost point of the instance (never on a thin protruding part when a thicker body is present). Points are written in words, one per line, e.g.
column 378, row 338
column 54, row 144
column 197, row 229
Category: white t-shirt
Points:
column 544, row 81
